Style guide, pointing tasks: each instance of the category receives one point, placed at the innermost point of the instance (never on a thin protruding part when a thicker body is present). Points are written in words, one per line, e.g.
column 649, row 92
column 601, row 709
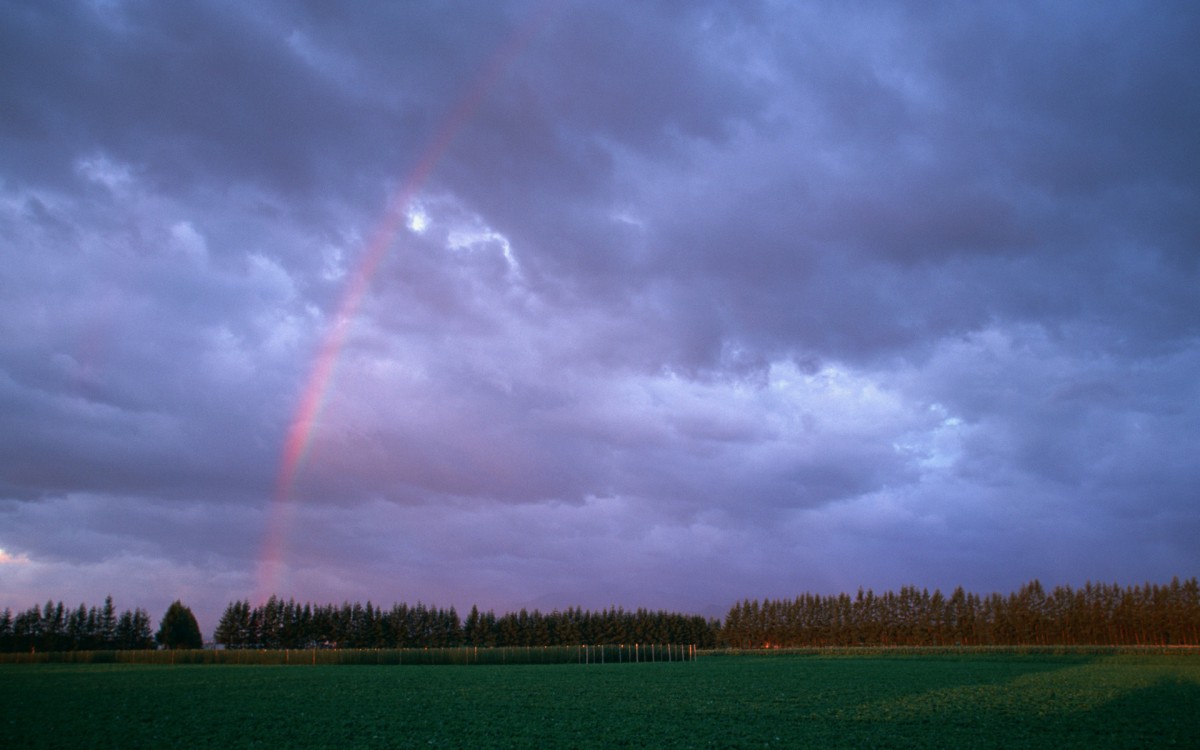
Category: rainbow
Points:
column 304, row 420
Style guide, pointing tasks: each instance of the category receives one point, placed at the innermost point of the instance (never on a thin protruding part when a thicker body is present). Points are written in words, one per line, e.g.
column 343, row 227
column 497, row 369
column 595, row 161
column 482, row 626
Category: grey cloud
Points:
column 806, row 296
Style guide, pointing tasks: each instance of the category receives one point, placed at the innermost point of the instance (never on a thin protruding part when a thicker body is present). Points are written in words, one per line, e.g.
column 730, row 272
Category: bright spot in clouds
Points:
column 9, row 559
column 418, row 220
column 482, row 240
column 100, row 169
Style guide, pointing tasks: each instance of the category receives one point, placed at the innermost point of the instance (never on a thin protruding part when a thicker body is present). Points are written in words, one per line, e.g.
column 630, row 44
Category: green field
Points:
column 938, row 700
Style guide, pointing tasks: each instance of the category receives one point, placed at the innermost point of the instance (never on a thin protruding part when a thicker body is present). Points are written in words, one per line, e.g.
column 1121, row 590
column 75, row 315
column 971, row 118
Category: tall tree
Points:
column 108, row 624
column 178, row 628
column 133, row 630
column 6, row 630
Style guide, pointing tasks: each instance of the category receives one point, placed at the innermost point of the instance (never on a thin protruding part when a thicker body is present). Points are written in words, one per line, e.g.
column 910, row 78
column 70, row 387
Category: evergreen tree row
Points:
column 280, row 624
column 57, row 628
column 1095, row 615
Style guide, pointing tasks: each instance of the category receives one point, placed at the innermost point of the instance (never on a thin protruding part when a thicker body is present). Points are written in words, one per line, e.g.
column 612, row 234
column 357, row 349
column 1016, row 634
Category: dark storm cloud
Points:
column 970, row 166
column 810, row 296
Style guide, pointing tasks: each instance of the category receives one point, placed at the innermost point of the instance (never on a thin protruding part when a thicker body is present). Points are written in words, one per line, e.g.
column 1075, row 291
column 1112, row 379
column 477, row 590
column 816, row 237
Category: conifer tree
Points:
column 108, row 624
column 179, row 629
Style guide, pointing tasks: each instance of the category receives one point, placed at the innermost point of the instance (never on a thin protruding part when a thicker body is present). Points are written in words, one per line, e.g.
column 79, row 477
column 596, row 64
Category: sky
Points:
column 551, row 304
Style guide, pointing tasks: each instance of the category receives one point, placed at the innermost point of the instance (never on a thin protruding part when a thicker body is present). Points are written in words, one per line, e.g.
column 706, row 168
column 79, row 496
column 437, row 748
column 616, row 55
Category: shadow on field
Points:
column 910, row 675
column 1159, row 715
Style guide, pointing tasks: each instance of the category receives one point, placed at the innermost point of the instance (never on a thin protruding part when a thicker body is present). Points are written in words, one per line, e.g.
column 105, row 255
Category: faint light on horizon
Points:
column 10, row 559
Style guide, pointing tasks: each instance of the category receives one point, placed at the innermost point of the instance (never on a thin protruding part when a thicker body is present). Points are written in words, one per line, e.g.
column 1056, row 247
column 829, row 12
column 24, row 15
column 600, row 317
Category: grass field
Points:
column 971, row 700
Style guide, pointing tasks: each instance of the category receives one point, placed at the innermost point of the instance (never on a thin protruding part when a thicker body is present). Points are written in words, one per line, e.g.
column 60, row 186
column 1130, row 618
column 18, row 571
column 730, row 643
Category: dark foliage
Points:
column 280, row 624
column 56, row 628
column 1096, row 615
column 178, row 628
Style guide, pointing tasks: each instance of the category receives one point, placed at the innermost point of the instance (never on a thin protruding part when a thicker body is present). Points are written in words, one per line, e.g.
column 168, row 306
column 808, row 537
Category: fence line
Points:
column 588, row 654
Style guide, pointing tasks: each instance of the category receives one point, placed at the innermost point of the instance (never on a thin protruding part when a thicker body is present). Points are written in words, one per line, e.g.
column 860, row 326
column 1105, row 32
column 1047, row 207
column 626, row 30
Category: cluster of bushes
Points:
column 287, row 624
column 1097, row 615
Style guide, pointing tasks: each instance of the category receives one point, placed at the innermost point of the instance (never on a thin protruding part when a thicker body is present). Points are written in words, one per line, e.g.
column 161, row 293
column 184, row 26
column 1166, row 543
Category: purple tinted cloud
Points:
column 697, row 303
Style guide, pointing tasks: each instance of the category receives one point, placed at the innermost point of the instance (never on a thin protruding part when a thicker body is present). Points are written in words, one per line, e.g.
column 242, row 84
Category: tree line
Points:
column 54, row 627
column 288, row 624
column 1095, row 615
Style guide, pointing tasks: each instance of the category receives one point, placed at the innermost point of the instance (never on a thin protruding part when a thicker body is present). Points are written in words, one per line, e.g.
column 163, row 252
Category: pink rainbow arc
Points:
column 320, row 378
